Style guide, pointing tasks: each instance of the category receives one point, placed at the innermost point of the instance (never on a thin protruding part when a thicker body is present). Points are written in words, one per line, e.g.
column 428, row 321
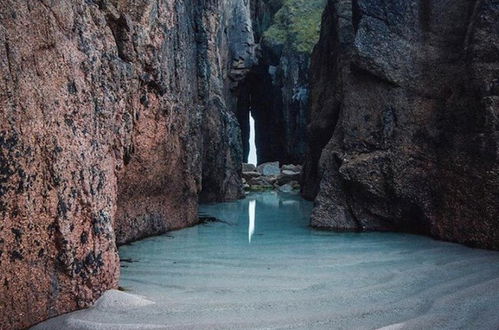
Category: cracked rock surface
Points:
column 113, row 121
column 404, row 126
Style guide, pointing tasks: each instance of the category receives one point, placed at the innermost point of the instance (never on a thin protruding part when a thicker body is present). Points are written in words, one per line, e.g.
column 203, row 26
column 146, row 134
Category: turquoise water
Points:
column 264, row 267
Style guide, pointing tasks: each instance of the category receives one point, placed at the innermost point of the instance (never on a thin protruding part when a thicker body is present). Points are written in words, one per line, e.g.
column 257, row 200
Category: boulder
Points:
column 286, row 188
column 287, row 176
column 250, row 175
column 269, row 169
column 290, row 173
column 259, row 181
column 271, row 179
column 294, row 168
column 248, row 167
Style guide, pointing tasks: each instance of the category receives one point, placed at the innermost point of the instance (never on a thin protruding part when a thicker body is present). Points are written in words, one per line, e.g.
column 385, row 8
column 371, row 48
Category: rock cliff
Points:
column 114, row 120
column 404, row 119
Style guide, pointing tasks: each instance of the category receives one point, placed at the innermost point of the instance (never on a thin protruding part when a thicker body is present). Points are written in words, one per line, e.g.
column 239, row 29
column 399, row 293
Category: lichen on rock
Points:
column 297, row 23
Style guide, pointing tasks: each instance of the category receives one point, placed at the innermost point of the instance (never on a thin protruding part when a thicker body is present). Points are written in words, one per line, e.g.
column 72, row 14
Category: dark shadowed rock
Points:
column 293, row 168
column 248, row 168
column 250, row 175
column 288, row 176
column 403, row 132
column 276, row 89
column 259, row 181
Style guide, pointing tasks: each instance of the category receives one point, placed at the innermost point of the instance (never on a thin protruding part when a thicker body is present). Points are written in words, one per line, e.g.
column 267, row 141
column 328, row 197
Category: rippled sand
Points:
column 291, row 276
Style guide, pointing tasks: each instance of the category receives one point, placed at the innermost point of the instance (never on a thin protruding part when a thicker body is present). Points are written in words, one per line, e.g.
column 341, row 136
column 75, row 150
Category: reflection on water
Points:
column 251, row 222
column 292, row 276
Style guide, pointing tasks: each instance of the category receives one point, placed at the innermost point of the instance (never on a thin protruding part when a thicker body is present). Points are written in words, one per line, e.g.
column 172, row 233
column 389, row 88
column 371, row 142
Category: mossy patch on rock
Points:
column 297, row 24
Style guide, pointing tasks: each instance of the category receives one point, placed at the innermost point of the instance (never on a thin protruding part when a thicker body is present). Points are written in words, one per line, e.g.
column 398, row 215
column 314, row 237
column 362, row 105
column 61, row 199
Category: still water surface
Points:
column 264, row 267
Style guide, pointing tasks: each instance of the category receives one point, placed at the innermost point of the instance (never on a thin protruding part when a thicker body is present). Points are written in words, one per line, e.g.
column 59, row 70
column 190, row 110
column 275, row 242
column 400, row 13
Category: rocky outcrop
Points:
column 404, row 119
column 275, row 91
column 269, row 176
column 112, row 114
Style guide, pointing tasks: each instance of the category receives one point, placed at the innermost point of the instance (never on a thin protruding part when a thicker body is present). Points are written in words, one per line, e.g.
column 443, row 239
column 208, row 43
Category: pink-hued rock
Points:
column 106, row 112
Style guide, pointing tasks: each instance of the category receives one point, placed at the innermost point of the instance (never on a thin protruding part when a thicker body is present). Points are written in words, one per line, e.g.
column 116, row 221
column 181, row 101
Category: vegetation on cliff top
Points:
column 297, row 24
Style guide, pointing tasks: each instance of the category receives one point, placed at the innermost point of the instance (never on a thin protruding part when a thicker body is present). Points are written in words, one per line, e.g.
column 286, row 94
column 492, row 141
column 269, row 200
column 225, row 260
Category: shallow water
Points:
column 268, row 269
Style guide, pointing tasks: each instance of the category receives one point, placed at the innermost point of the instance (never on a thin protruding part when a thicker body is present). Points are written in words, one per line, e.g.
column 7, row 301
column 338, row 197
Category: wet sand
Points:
column 269, row 270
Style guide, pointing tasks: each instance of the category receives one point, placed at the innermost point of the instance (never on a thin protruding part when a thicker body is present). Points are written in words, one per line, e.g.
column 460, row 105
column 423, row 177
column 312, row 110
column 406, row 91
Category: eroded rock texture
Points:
column 226, row 54
column 404, row 119
column 112, row 114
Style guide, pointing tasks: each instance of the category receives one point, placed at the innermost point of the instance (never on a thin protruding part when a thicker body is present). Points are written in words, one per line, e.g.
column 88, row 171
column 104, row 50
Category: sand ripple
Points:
column 292, row 277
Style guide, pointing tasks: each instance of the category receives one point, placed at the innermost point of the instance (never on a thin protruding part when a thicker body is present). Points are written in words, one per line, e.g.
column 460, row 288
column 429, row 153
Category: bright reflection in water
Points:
column 251, row 215
column 252, row 146
column 294, row 277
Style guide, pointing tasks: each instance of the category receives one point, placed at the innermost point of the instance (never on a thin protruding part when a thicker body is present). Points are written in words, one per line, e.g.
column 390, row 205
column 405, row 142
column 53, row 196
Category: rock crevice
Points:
column 276, row 88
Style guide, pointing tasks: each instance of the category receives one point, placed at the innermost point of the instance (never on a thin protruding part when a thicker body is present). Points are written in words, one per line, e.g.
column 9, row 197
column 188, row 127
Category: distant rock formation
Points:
column 404, row 119
column 276, row 88
column 270, row 176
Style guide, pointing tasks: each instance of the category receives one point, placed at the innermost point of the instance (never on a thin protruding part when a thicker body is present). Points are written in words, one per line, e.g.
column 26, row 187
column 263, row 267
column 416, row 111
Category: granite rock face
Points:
column 111, row 114
column 404, row 119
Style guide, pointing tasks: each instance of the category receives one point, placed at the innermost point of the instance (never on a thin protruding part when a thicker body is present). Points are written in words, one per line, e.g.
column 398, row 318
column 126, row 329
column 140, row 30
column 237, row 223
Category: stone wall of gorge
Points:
column 404, row 119
column 115, row 119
